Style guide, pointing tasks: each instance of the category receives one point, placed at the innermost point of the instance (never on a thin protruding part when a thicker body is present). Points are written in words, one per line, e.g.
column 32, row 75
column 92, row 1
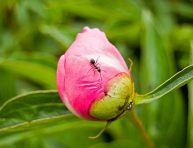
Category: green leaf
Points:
column 57, row 35
column 83, row 9
column 31, row 108
column 65, row 127
column 157, row 65
column 8, row 86
column 39, row 114
column 36, row 72
column 179, row 79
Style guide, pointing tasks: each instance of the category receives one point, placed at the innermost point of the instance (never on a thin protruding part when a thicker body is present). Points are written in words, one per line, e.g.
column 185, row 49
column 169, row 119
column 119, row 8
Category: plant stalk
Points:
column 138, row 123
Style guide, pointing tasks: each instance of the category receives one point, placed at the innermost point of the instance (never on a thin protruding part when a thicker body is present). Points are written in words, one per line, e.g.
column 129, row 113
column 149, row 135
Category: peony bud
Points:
column 93, row 79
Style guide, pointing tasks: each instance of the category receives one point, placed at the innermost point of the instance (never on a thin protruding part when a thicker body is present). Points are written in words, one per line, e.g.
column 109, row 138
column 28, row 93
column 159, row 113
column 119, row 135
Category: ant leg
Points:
column 97, row 64
column 92, row 68
column 89, row 70
column 103, row 70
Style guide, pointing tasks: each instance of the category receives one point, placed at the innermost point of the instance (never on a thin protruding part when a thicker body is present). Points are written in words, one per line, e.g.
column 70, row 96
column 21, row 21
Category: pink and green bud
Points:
column 93, row 79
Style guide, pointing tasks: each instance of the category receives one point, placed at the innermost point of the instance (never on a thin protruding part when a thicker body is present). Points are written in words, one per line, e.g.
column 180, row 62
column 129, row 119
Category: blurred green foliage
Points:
column 155, row 34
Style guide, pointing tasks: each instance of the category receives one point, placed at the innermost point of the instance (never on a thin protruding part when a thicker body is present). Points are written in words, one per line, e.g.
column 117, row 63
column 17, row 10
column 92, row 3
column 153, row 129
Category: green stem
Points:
column 190, row 105
column 138, row 123
column 101, row 131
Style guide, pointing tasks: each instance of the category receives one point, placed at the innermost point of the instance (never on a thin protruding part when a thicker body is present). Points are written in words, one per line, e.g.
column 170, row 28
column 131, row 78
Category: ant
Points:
column 95, row 65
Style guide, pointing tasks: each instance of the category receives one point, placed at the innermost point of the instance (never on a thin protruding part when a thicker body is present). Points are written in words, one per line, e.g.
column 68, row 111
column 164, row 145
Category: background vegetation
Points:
column 156, row 34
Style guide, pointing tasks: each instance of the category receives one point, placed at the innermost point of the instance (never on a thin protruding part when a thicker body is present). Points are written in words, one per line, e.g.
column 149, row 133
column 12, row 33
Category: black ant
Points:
column 95, row 65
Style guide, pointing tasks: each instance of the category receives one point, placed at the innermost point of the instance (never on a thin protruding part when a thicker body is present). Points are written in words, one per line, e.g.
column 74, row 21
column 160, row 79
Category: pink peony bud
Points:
column 93, row 79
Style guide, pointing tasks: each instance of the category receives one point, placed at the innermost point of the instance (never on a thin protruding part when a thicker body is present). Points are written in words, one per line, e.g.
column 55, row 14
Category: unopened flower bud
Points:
column 93, row 79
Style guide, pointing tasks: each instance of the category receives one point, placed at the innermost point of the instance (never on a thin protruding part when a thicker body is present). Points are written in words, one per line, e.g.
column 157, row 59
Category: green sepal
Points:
column 120, row 90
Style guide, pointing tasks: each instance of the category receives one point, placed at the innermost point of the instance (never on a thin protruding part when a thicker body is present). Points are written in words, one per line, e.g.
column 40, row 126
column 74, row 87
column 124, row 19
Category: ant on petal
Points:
column 94, row 63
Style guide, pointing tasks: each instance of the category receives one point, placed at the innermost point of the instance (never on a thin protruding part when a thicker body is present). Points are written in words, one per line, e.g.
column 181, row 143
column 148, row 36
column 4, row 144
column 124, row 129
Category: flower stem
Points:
column 101, row 131
column 138, row 123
